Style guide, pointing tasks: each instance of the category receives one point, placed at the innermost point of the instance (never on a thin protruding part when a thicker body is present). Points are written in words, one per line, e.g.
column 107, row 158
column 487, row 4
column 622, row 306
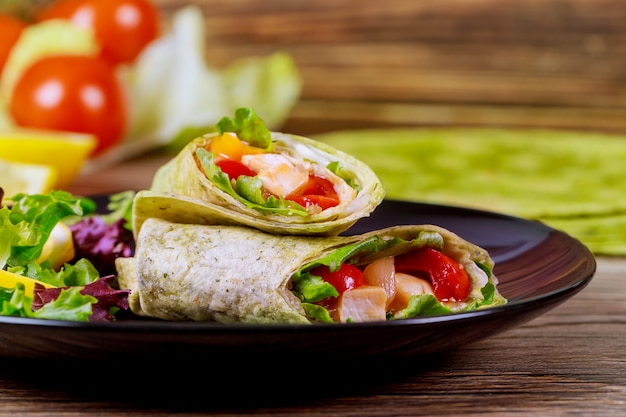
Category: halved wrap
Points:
column 234, row 274
column 277, row 182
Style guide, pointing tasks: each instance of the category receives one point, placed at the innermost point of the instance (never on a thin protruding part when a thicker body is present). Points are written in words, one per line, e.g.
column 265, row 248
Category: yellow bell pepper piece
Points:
column 10, row 280
column 229, row 146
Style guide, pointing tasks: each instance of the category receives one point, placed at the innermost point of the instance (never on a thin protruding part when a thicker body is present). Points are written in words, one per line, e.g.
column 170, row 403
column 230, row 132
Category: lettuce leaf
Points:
column 249, row 127
column 97, row 301
column 27, row 224
column 247, row 189
column 428, row 305
column 79, row 292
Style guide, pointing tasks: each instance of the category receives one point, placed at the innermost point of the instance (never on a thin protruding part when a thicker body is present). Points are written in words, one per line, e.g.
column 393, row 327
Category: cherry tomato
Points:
column 345, row 278
column 448, row 277
column 71, row 93
column 123, row 27
column 11, row 30
column 234, row 168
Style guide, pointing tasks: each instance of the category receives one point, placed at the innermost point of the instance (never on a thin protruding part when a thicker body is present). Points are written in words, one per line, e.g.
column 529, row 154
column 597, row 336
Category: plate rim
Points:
column 163, row 326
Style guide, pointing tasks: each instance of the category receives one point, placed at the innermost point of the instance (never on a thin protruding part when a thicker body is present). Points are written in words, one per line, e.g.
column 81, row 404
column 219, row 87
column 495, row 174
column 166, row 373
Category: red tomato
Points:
column 318, row 192
column 71, row 93
column 345, row 278
column 320, row 186
column 448, row 277
column 11, row 30
column 234, row 168
column 123, row 27
column 315, row 200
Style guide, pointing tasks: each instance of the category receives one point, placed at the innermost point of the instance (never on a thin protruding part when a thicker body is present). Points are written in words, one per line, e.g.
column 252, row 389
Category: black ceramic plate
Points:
column 538, row 268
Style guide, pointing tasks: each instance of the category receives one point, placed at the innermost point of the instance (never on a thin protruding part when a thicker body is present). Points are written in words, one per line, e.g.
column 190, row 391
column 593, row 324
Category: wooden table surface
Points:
column 552, row 63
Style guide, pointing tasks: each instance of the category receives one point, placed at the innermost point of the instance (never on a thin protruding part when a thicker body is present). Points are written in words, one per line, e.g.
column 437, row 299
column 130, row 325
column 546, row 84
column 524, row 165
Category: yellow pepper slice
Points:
column 229, row 146
column 10, row 280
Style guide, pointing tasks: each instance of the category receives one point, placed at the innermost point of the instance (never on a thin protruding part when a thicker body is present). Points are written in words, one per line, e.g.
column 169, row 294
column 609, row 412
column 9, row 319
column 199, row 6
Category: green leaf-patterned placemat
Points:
column 573, row 181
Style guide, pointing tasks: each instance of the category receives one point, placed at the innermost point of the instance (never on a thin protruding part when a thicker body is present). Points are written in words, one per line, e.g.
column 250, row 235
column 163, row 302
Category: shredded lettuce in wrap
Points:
column 247, row 189
column 310, row 288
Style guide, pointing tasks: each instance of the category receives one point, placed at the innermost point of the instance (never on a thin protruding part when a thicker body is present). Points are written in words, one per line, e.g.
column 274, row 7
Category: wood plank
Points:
column 531, row 63
column 317, row 116
column 550, row 53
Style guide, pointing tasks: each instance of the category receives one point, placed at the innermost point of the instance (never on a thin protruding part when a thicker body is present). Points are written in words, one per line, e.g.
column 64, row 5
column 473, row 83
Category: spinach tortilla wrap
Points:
column 236, row 274
column 277, row 182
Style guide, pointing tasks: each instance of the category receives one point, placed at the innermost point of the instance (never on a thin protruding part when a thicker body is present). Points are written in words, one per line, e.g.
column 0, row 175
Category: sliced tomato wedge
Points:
column 448, row 278
column 320, row 186
column 315, row 200
column 234, row 168
column 345, row 278
column 318, row 192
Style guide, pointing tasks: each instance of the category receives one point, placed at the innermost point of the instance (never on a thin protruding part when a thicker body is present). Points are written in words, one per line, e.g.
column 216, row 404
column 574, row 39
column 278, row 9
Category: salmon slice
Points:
column 280, row 174
column 365, row 303
column 406, row 287
column 382, row 273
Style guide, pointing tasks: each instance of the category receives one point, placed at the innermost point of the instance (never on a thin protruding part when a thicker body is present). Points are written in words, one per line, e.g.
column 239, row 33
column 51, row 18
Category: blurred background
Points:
column 513, row 63
column 510, row 63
